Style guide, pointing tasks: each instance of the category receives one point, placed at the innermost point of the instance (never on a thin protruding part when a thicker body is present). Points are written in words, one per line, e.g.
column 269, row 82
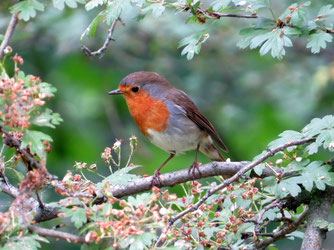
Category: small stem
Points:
column 272, row 12
column 130, row 157
column 267, row 165
column 83, row 175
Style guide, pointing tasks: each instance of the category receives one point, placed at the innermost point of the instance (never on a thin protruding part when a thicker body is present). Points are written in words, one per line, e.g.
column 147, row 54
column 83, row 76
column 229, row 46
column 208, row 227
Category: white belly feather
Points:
column 175, row 142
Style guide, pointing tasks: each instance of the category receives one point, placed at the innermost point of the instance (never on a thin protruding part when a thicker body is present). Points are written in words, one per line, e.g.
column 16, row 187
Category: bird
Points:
column 169, row 119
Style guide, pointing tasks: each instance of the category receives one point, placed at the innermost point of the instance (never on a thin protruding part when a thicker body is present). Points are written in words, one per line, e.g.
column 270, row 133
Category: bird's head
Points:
column 141, row 83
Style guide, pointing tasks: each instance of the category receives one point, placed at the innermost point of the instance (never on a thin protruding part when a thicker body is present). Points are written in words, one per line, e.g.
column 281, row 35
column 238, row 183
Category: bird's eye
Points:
column 135, row 89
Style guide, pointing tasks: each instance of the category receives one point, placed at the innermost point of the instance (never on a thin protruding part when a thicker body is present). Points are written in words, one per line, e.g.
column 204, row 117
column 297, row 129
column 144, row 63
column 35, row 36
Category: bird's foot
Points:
column 193, row 168
column 156, row 181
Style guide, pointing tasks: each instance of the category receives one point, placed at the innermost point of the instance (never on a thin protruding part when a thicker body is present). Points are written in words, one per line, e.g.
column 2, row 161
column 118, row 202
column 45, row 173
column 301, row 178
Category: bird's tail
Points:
column 210, row 150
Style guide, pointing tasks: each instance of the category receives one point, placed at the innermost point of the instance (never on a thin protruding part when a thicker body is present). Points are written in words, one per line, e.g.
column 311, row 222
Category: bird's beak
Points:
column 116, row 92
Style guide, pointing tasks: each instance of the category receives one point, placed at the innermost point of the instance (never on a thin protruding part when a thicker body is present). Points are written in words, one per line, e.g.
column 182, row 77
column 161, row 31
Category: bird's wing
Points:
column 192, row 112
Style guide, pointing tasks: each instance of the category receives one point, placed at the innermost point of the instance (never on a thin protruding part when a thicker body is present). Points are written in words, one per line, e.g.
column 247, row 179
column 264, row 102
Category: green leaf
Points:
column 291, row 31
column 17, row 174
column 60, row 4
column 93, row 4
column 27, row 9
column 318, row 40
column 254, row 5
column 114, row 9
column 91, row 29
column 47, row 119
column 29, row 242
column 121, row 177
column 288, row 186
column 330, row 227
column 271, row 214
column 317, row 125
column 77, row 215
column 141, row 199
column 326, row 11
column 138, row 242
column 46, row 88
column 286, row 136
column 322, row 224
column 323, row 129
column 193, row 44
column 248, row 35
column 273, row 41
column 34, row 140
column 259, row 168
column 157, row 9
column 319, row 174
column 296, row 13
column 220, row 4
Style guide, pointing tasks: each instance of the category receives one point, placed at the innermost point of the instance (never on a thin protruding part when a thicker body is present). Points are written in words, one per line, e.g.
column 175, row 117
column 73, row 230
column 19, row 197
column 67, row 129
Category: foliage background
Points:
column 249, row 98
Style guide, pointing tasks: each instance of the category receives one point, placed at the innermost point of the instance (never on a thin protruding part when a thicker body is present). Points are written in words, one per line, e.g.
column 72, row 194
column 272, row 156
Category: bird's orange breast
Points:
column 148, row 113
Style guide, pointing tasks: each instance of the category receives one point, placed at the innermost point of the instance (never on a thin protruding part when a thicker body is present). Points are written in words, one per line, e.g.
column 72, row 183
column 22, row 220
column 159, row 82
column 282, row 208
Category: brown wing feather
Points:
column 181, row 98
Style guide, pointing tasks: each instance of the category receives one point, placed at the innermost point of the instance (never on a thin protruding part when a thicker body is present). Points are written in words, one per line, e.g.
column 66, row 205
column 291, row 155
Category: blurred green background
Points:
column 249, row 99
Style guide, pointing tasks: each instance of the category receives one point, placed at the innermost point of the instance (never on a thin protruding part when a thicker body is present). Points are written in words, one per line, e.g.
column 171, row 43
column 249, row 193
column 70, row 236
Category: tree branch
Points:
column 109, row 38
column 170, row 179
column 8, row 188
column 10, row 141
column 319, row 210
column 9, row 32
column 56, row 234
column 219, row 15
column 275, row 203
column 283, row 232
column 227, row 182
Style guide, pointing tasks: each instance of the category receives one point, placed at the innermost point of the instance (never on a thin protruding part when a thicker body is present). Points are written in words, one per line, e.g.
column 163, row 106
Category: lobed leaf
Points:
column 317, row 41
column 27, row 9
column 47, row 119
column 60, row 4
column 34, row 140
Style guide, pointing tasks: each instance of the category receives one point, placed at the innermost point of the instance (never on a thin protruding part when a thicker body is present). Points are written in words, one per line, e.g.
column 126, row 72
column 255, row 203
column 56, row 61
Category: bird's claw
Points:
column 193, row 168
column 156, row 181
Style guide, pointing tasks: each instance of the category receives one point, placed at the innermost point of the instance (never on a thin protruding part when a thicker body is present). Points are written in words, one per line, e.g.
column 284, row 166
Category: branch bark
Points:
column 104, row 47
column 227, row 182
column 9, row 32
column 283, row 232
column 182, row 176
column 56, row 234
column 314, row 236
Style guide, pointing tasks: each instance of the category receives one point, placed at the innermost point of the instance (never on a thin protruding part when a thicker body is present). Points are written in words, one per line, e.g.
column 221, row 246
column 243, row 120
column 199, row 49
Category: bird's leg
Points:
column 195, row 165
column 155, row 178
column 40, row 202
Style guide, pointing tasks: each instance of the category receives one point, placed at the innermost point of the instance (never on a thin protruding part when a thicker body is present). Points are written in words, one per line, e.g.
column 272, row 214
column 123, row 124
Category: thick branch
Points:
column 182, row 176
column 314, row 236
column 9, row 32
column 56, row 234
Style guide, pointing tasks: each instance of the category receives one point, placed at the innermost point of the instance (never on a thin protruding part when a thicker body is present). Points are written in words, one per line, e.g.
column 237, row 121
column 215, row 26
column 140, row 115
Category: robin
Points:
column 168, row 118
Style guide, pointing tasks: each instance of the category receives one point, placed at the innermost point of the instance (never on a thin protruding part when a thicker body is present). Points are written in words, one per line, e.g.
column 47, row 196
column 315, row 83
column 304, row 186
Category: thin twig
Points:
column 109, row 38
column 12, row 142
column 219, row 15
column 275, row 203
column 283, row 232
column 8, row 188
column 9, row 32
column 227, row 182
column 56, row 234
